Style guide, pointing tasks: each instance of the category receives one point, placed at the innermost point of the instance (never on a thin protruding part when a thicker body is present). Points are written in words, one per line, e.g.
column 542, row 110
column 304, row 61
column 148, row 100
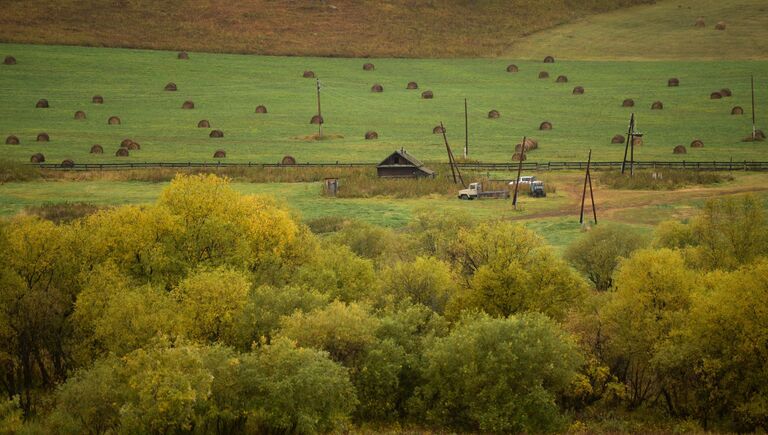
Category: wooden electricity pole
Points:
column 451, row 160
column 754, row 130
column 588, row 178
column 630, row 143
column 519, row 170
column 466, row 131
column 319, row 112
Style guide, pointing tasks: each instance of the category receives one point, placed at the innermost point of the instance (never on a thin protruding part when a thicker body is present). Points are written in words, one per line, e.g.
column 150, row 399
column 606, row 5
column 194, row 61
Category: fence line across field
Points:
column 469, row 166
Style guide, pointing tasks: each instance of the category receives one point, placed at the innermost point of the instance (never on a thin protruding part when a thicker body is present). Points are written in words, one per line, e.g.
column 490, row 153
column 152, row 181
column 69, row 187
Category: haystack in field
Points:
column 204, row 124
column 512, row 68
column 737, row 110
column 673, row 82
column 42, row 104
column 543, row 75
column 412, row 85
column 657, row 105
column 216, row 134
column 679, row 150
column 125, row 143
column 377, row 88
column 133, row 146
column 97, row 99
column 697, row 143
column 546, row 125
column 188, row 105
column 9, row 60
column 43, row 137
column 494, row 114
column 427, row 95
column 37, row 158
column 578, row 90
column 288, row 160
column 561, row 79
column 113, row 120
column 516, row 157
column 549, row 59
column 79, row 114
column 628, row 103
column 368, row 67
column 715, row 96
column 122, row 152
column 308, row 74
column 261, row 109
column 219, row 154
column 171, row 87
column 438, row 130
column 183, row 55
column 370, row 135
column 700, row 23
column 317, row 119
column 97, row 149
column 67, row 163
column 720, row 25
column 725, row 92
column 618, row 139
column 12, row 140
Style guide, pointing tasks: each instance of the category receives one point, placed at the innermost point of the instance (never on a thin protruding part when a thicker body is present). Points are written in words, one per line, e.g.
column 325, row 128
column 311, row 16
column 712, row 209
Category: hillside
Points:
column 350, row 28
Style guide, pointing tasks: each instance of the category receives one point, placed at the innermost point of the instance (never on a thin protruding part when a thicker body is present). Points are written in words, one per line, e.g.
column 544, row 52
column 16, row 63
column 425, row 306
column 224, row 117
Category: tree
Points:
column 425, row 280
column 339, row 273
column 597, row 253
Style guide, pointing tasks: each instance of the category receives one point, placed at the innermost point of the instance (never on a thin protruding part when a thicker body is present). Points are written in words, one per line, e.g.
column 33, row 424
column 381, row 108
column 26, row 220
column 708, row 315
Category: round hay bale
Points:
column 628, row 103
column 377, row 88
column 516, row 157
column 79, row 114
column 679, row 150
column 317, row 119
column 308, row 74
column 97, row 149
column 261, row 109
column 561, row 79
column 43, row 137
column 368, row 67
column 183, row 55
column 657, row 105
column 673, row 82
column 530, row 145
column 438, row 130
column 9, row 60
column 494, row 114
column 725, row 92
column 637, row 141
column 697, row 143
column 549, row 59
column 700, row 22
column 113, row 120
column 412, row 85
column 67, row 163
column 370, row 135
column 512, row 68
column 188, row 105
column 427, row 95
column 546, row 125
column 578, row 90
column 288, row 160
column 133, row 146
column 126, row 143
column 715, row 96
column 37, row 158
column 618, row 138
column 216, row 134
column 543, row 75
column 97, row 99
column 219, row 154
column 737, row 110
column 42, row 104
column 720, row 25
column 171, row 87
column 122, row 152
column 12, row 140
column 204, row 124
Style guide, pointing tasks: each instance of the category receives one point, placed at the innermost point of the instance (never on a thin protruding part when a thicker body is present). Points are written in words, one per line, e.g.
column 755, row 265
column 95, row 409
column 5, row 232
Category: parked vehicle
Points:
column 537, row 189
column 475, row 191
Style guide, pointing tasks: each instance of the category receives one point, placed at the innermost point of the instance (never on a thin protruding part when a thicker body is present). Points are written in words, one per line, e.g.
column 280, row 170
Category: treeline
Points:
column 213, row 312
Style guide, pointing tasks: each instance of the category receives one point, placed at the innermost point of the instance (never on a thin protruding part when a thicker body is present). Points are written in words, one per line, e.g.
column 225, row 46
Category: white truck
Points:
column 475, row 191
column 534, row 187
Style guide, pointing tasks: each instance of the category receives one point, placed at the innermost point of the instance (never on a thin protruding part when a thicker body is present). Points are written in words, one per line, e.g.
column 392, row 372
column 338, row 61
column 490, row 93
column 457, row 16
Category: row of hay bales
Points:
column 700, row 23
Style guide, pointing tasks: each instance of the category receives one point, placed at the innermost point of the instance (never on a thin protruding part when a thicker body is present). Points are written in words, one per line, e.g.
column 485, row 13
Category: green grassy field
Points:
column 227, row 88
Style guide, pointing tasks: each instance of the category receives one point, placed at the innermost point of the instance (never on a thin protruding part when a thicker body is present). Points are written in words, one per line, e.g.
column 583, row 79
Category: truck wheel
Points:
column 472, row 197
column 463, row 197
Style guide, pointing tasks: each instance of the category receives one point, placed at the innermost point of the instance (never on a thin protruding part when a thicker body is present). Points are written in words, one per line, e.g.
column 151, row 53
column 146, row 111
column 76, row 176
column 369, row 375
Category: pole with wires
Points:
column 319, row 112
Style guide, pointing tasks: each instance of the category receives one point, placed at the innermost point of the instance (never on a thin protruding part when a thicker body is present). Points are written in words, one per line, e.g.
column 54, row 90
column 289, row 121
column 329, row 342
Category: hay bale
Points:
column 628, row 103
column 42, row 104
column 516, row 157
column 549, row 59
column 171, row 87
column 188, row 105
column 618, row 139
column 546, row 125
column 679, row 150
column 715, row 96
column 97, row 149
column 438, row 130
column 700, row 23
column 737, row 110
column 697, row 143
column 37, row 158
column 183, row 55
column 317, row 119
column 673, row 82
column 216, row 134
column 657, row 105
column 427, row 95
column 578, row 90
column 543, row 75
column 370, row 135
column 637, row 141
column 368, row 67
column 125, row 143
column 97, row 99
column 43, row 137
column 308, row 74
column 530, row 145
column 725, row 92
column 219, row 154
column 113, row 120
column 9, row 60
column 261, row 109
column 204, row 124
column 561, row 79
column 377, row 88
column 122, row 152
column 133, row 146
column 79, row 114
column 412, row 85
column 720, row 25
column 12, row 140
column 67, row 163
column 494, row 114
column 288, row 160
column 512, row 68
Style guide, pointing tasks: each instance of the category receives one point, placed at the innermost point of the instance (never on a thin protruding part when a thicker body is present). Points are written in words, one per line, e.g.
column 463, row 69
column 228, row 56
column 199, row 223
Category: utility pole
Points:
column 319, row 112
column 588, row 178
column 519, row 170
column 466, row 131
column 631, row 135
column 629, row 139
column 451, row 160
column 754, row 130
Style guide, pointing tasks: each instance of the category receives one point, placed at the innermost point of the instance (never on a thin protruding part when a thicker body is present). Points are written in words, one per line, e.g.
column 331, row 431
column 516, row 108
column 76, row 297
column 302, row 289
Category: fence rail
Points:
column 511, row 166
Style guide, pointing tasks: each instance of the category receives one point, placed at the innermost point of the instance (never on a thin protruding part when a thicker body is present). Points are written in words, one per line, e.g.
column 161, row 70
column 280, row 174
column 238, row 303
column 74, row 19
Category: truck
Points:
column 475, row 191
column 537, row 189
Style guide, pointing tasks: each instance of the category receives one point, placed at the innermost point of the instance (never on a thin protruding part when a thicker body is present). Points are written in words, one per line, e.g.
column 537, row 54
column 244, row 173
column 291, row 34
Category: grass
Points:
column 660, row 179
column 227, row 88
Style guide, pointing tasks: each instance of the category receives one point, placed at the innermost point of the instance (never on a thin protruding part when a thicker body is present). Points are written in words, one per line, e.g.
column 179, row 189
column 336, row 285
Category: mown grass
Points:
column 660, row 179
column 227, row 88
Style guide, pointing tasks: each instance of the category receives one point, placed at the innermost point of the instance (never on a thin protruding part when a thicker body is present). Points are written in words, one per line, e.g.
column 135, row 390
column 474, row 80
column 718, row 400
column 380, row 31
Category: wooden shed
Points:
column 400, row 164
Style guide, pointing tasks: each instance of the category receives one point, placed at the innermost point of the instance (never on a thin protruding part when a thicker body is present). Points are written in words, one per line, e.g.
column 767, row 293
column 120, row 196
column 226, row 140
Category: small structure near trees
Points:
column 400, row 164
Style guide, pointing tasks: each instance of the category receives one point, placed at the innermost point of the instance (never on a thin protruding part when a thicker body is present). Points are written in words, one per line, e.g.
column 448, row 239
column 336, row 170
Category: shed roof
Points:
column 407, row 157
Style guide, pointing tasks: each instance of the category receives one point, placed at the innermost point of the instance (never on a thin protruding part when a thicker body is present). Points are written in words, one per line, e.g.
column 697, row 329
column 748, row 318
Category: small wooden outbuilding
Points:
column 400, row 164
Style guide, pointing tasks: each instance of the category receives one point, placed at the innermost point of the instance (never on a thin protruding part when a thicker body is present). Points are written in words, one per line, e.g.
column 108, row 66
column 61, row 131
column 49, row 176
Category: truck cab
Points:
column 471, row 192
column 537, row 189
